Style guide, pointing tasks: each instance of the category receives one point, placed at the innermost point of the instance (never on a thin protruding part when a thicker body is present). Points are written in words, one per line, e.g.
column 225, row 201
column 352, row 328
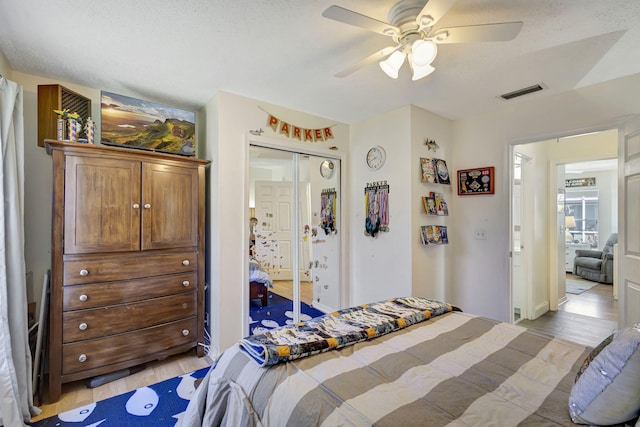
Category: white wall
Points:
column 381, row 266
column 430, row 265
column 481, row 275
column 229, row 119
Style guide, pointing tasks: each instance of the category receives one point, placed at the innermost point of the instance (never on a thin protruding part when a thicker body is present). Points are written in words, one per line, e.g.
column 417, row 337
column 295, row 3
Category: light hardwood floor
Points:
column 285, row 289
column 587, row 318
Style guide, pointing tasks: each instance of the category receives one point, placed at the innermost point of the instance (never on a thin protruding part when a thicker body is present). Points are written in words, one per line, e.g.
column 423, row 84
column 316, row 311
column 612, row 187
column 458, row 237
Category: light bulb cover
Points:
column 423, row 52
column 392, row 64
column 420, row 71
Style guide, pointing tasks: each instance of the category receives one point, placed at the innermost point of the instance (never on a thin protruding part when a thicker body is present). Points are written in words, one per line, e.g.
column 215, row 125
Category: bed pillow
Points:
column 607, row 389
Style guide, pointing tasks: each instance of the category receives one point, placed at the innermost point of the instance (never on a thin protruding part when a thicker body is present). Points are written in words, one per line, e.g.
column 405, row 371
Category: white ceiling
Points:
column 284, row 52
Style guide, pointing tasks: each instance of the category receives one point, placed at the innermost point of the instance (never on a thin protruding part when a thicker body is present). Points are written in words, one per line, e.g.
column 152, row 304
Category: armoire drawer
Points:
column 81, row 271
column 116, row 319
column 94, row 295
column 84, row 355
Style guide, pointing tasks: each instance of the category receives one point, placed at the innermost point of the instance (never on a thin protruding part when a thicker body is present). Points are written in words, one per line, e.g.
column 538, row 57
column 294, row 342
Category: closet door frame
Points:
column 343, row 229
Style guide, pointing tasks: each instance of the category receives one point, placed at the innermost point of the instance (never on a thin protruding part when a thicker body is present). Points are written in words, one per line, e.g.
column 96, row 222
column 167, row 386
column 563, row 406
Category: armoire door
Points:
column 101, row 195
column 169, row 206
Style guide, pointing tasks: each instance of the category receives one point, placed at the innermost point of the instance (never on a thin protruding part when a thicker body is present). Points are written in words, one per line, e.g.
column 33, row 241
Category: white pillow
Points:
column 607, row 390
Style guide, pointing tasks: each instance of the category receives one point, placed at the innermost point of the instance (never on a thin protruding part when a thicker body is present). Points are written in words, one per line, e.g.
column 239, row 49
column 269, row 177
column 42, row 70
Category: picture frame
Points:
column 476, row 181
column 135, row 123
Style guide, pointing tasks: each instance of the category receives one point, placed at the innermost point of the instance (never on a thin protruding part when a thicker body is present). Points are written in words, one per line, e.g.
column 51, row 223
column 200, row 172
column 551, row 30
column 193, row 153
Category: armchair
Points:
column 596, row 265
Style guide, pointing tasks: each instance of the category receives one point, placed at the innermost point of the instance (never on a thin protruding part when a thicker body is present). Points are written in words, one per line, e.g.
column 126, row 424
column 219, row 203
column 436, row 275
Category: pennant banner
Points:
column 296, row 132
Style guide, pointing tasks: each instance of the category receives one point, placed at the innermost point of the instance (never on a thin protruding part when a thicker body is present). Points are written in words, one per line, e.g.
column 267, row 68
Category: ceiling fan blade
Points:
column 433, row 11
column 356, row 19
column 504, row 31
column 378, row 56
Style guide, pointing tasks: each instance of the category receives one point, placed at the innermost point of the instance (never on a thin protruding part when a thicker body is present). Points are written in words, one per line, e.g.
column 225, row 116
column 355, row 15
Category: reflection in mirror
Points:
column 294, row 267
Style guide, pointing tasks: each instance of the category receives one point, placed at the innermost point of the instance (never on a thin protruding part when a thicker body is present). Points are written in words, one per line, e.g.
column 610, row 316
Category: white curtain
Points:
column 16, row 397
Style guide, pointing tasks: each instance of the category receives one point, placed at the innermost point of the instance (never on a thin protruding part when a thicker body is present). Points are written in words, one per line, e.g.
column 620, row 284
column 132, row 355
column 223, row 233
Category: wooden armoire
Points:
column 127, row 274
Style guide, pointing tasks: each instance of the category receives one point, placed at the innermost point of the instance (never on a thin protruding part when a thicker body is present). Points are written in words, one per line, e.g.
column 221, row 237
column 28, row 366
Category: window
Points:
column 582, row 205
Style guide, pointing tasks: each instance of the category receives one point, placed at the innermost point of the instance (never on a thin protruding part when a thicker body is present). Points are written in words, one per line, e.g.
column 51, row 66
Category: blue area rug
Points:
column 279, row 312
column 160, row 404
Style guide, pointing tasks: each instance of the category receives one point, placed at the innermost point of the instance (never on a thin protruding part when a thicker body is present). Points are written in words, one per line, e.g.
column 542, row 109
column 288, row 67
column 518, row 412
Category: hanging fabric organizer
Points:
column 328, row 211
column 376, row 202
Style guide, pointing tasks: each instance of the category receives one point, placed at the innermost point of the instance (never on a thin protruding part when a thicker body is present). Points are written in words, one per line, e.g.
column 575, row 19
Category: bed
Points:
column 445, row 367
column 259, row 282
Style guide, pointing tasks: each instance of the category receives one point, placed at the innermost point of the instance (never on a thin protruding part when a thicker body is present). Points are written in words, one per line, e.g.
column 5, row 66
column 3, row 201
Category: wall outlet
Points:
column 480, row 235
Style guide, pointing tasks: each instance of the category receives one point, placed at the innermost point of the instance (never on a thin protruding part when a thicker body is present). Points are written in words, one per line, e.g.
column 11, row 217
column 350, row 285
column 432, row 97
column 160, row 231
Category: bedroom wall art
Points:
column 435, row 204
column 476, row 181
column 135, row 123
column 376, row 201
column 434, row 235
column 328, row 211
column 282, row 127
column 434, row 171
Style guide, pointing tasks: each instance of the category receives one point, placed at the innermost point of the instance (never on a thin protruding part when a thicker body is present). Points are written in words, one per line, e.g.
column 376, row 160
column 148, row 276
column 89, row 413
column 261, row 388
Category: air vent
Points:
column 520, row 92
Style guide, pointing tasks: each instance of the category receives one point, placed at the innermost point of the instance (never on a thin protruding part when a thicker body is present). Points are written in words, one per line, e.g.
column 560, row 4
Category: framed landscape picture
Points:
column 135, row 123
column 476, row 181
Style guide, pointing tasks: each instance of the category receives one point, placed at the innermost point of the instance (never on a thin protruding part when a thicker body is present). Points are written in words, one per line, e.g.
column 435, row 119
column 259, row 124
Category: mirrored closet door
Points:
column 294, row 244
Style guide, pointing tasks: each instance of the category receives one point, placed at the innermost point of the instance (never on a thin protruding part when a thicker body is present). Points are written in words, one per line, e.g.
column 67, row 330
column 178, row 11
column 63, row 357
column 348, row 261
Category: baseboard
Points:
column 563, row 300
column 540, row 310
column 322, row 307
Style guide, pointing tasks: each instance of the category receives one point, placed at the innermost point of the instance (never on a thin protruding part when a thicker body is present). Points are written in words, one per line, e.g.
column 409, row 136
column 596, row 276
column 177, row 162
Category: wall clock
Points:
column 327, row 168
column 376, row 157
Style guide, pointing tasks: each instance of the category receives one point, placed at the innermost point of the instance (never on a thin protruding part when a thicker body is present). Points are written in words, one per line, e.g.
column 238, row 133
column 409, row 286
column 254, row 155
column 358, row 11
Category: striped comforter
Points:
column 456, row 369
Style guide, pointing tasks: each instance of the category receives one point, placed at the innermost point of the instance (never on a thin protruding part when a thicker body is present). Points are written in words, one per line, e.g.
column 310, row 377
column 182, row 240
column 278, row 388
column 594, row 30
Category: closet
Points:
column 127, row 283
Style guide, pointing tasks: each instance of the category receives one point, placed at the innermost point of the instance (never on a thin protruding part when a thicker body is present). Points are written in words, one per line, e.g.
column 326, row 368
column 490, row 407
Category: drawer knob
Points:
column 185, row 332
column 185, row 262
column 136, row 206
column 147, row 206
column 82, row 326
column 83, row 297
column 82, row 358
column 84, row 272
column 185, row 283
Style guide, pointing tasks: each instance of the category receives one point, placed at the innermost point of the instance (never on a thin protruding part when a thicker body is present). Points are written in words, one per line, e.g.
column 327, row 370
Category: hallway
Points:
column 587, row 318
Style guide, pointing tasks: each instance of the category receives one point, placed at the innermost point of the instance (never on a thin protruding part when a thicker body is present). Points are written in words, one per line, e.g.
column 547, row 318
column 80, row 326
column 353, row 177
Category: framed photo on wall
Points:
column 476, row 181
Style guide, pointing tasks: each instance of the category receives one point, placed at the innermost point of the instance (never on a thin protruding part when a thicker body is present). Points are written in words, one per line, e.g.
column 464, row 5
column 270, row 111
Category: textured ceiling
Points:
column 284, row 52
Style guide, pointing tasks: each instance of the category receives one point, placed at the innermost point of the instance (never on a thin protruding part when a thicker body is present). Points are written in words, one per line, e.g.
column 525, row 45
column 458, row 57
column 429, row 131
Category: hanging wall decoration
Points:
column 282, row 127
column 376, row 202
column 328, row 211
column 476, row 181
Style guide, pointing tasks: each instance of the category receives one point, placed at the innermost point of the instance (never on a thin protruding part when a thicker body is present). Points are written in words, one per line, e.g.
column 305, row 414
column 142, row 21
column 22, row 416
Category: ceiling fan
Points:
column 412, row 29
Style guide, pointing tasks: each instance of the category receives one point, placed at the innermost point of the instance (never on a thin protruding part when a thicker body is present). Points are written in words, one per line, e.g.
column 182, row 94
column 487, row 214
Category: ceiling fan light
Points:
column 392, row 64
column 423, row 52
column 420, row 71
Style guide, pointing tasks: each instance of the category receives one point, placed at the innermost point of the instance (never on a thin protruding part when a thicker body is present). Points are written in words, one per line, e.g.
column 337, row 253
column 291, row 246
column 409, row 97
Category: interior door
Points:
column 274, row 211
column 561, row 239
column 629, row 224
column 518, row 294
column 520, row 230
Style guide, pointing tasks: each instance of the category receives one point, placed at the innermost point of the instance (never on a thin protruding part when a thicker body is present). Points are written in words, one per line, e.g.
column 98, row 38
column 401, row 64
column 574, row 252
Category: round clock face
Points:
column 376, row 157
column 327, row 168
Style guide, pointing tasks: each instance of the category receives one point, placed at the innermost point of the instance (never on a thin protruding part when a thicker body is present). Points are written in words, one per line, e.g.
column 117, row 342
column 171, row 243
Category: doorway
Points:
column 295, row 236
column 546, row 222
